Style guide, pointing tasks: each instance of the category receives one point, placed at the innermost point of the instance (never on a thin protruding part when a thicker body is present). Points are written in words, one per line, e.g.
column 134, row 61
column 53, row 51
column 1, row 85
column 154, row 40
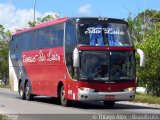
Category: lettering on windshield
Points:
column 106, row 31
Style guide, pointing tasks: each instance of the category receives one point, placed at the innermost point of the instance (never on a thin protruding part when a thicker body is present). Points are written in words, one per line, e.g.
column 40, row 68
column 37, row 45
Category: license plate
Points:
column 110, row 97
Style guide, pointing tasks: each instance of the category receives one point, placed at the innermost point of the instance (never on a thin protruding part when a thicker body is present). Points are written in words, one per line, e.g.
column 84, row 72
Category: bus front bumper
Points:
column 105, row 96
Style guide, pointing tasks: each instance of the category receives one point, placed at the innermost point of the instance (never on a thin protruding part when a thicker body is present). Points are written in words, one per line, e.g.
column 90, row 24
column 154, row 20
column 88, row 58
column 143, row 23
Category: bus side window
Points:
column 49, row 38
column 59, row 32
column 70, row 43
column 12, row 45
column 60, row 37
column 41, row 39
column 34, row 39
column 20, row 43
column 70, row 35
column 26, row 38
column 16, row 45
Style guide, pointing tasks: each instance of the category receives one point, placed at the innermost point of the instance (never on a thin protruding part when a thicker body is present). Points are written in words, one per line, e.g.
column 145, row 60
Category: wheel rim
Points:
column 21, row 92
column 27, row 90
column 63, row 95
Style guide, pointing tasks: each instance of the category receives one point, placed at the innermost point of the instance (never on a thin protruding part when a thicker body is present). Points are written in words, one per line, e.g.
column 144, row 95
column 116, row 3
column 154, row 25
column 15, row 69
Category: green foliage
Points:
column 148, row 16
column 150, row 44
column 47, row 18
column 4, row 48
column 144, row 98
column 135, row 28
column 142, row 23
column 42, row 20
column 4, row 117
column 5, row 86
column 150, row 75
column 31, row 23
column 4, row 59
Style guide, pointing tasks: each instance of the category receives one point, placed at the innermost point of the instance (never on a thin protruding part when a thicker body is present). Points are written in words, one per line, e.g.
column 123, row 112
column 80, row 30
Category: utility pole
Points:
column 144, row 20
column 34, row 10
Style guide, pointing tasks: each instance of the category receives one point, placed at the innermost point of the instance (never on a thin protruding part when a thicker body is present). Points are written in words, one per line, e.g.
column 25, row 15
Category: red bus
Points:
column 75, row 59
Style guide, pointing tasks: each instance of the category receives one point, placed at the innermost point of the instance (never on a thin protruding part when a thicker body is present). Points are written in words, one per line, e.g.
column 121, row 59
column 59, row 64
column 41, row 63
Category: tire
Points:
column 28, row 94
column 109, row 104
column 63, row 100
column 22, row 92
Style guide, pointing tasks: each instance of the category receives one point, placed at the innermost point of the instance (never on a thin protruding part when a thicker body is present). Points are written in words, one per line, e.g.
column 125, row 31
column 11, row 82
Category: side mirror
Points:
column 75, row 58
column 142, row 57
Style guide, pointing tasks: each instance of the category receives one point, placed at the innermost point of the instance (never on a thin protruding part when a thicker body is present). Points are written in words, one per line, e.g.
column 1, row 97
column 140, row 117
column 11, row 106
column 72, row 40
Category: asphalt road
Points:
column 49, row 109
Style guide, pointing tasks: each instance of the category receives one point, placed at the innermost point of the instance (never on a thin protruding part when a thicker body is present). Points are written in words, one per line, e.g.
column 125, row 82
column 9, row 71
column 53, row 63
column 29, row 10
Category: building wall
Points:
column 13, row 81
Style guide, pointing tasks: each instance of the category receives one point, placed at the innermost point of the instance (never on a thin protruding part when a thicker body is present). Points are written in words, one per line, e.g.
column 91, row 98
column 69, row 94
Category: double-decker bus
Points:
column 75, row 59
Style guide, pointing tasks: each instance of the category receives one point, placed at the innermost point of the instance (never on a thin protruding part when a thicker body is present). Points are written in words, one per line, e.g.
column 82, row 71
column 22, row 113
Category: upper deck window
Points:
column 100, row 34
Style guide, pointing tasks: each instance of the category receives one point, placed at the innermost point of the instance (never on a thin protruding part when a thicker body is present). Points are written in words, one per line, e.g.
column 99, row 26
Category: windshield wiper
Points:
column 92, row 75
column 125, row 78
column 98, row 79
column 104, row 79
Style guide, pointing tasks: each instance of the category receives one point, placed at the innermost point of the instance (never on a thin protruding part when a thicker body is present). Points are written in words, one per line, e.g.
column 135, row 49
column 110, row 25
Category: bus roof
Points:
column 98, row 19
column 60, row 20
column 77, row 19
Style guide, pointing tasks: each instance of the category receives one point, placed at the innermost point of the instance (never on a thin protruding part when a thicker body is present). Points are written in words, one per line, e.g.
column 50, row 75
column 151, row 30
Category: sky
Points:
column 15, row 14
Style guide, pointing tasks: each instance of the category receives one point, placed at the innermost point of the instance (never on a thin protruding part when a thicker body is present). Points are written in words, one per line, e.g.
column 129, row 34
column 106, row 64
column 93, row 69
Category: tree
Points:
column 42, row 20
column 151, row 74
column 142, row 23
column 4, row 36
column 32, row 23
column 146, row 26
column 4, row 48
column 135, row 28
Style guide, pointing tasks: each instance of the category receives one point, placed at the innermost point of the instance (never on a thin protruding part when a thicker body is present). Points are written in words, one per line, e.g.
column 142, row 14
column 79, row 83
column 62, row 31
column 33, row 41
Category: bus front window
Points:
column 94, row 65
column 100, row 34
column 107, row 66
column 122, row 65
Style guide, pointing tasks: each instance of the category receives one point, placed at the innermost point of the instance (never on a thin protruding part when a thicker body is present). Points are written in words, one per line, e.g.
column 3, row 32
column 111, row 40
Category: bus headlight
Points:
column 129, row 89
column 87, row 89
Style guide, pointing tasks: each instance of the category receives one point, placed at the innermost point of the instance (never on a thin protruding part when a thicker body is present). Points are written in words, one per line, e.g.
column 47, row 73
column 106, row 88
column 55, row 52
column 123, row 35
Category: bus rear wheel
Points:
column 28, row 94
column 109, row 104
column 64, row 101
column 22, row 92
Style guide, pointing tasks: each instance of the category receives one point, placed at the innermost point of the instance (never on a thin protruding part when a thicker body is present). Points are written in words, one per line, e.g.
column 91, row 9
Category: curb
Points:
column 5, row 89
column 140, row 104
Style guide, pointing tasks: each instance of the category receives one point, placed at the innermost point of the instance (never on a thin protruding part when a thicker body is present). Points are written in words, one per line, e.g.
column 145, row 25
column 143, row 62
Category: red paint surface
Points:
column 43, row 74
column 107, row 87
column 42, row 25
column 105, row 48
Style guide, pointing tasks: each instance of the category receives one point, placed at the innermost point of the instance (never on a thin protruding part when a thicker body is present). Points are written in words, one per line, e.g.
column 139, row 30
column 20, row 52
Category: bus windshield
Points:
column 100, row 34
column 107, row 65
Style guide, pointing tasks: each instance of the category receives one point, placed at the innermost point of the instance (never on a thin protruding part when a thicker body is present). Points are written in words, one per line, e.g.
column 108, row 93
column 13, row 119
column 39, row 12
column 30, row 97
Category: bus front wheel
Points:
column 109, row 104
column 64, row 101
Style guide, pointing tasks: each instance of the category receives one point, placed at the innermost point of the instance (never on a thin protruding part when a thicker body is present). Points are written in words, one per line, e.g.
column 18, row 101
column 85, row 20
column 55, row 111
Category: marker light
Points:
column 129, row 89
column 87, row 89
